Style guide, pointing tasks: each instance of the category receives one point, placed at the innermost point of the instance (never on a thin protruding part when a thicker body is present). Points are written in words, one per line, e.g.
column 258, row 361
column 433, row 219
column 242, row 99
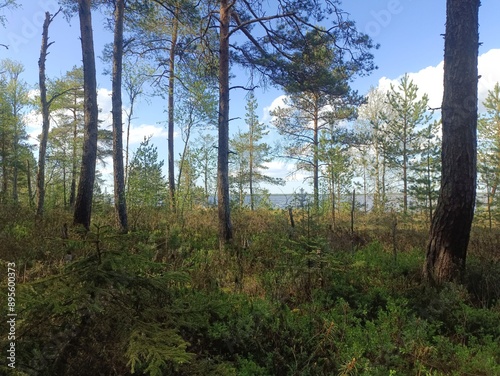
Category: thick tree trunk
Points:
column 225, row 226
column 450, row 229
column 74, row 162
column 118, row 171
column 171, row 87
column 83, row 203
column 40, row 179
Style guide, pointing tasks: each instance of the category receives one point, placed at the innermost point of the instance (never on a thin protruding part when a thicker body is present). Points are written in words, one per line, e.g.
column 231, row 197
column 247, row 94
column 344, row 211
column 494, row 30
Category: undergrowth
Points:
column 164, row 300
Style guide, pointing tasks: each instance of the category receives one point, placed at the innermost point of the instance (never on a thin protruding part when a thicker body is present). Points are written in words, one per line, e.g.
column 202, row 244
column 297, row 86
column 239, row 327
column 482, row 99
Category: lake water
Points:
column 298, row 200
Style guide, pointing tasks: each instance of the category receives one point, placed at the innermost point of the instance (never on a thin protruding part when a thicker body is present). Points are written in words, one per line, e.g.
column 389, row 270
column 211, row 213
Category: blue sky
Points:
column 408, row 31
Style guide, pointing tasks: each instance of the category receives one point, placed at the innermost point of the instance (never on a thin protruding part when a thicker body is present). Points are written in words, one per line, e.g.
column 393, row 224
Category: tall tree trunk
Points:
column 184, row 150
column 332, row 187
column 451, row 225
column 129, row 122
column 40, row 179
column 225, row 226
column 205, row 179
column 250, row 166
column 377, row 194
column 74, row 162
column 65, row 201
column 429, row 187
column 15, row 150
column 405, row 176
column 5, row 170
column 171, row 87
column 30, row 188
column 83, row 203
column 365, row 186
column 15, row 167
column 116, row 99
column 316, row 157
column 488, row 206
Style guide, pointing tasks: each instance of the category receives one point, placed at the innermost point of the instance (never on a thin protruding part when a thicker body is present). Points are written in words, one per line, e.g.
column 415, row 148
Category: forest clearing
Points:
column 384, row 260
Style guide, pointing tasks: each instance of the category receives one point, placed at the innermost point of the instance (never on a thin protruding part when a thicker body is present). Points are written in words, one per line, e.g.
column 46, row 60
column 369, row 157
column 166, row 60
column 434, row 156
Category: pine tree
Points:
column 407, row 114
column 146, row 182
column 489, row 147
column 118, row 168
column 83, row 202
column 452, row 221
column 336, row 163
column 424, row 183
column 205, row 162
column 372, row 129
column 318, row 96
column 251, row 155
column 16, row 100
column 274, row 43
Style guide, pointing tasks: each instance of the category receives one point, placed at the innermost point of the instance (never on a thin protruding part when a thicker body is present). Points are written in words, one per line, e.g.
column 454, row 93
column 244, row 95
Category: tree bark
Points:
column 429, row 188
column 5, row 170
column 116, row 99
column 30, row 188
column 316, row 157
column 15, row 167
column 225, row 226
column 250, row 164
column 40, row 179
column 171, row 87
column 451, row 225
column 74, row 162
column 83, row 203
column 405, row 168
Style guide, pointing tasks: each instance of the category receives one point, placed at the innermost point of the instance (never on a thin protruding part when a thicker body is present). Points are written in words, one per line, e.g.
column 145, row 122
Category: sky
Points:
column 409, row 32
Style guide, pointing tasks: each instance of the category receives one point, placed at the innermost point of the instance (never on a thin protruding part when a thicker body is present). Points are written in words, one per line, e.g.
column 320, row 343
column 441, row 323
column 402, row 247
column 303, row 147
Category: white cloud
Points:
column 276, row 169
column 137, row 133
column 34, row 118
column 430, row 80
column 489, row 72
column 277, row 102
column 286, row 170
column 33, row 122
column 104, row 101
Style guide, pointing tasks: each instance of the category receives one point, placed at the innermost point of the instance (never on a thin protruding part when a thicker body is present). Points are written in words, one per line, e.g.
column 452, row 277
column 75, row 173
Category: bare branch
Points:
column 57, row 95
column 55, row 14
column 244, row 87
column 243, row 25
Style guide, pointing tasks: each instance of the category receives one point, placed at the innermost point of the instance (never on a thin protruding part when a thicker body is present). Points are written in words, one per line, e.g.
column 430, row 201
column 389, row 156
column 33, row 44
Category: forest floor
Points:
column 280, row 300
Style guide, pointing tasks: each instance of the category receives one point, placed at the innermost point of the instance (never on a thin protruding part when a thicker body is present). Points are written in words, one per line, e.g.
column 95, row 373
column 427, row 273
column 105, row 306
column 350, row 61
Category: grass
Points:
column 308, row 300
